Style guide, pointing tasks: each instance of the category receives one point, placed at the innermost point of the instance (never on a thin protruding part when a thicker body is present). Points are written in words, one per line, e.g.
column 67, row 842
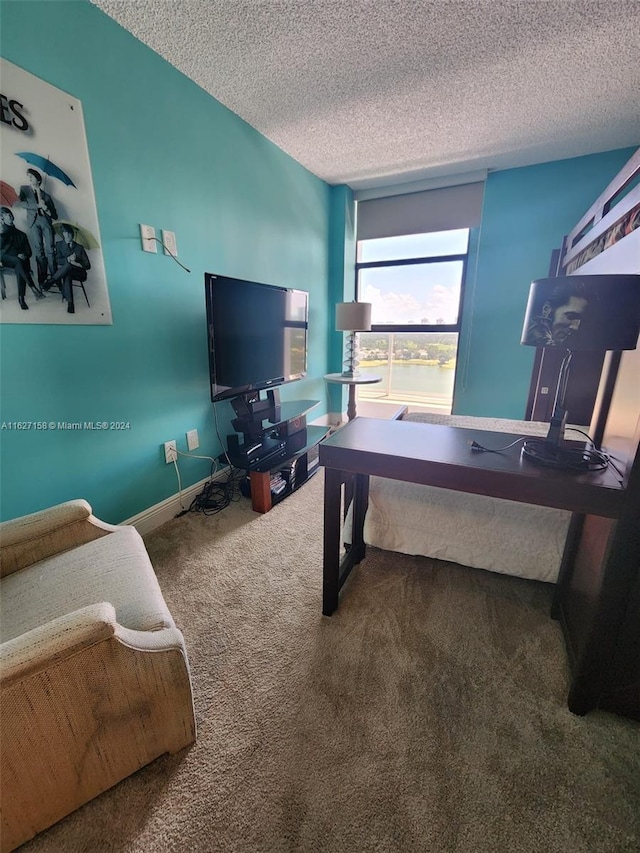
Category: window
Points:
column 415, row 284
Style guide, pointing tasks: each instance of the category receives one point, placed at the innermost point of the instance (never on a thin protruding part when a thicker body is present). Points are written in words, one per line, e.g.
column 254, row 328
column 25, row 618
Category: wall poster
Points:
column 51, row 263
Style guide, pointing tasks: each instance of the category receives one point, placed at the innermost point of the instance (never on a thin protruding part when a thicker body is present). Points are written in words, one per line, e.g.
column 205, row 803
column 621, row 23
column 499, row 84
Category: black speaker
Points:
column 241, row 406
column 295, row 425
column 296, row 441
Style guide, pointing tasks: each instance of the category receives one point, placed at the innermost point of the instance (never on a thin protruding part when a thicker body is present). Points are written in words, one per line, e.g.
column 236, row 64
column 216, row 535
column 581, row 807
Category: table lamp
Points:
column 352, row 317
column 581, row 312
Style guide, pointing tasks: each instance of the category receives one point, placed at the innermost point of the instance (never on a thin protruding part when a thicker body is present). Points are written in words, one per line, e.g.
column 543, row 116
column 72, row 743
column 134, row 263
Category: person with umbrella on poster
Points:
column 73, row 263
column 15, row 252
column 41, row 211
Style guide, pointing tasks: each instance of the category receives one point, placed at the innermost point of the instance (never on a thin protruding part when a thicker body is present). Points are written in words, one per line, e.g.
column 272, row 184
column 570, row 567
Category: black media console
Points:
column 275, row 446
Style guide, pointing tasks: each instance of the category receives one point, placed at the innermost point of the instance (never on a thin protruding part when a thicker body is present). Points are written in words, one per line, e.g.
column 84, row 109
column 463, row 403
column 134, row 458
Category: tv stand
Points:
column 279, row 451
column 252, row 410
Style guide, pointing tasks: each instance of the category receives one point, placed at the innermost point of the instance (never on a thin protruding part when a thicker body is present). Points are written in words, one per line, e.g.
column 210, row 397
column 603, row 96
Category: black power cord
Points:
column 542, row 452
column 169, row 252
column 573, row 459
column 479, row 448
column 216, row 495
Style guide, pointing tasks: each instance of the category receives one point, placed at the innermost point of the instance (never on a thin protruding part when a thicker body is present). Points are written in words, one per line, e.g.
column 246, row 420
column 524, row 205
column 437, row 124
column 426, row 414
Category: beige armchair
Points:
column 94, row 677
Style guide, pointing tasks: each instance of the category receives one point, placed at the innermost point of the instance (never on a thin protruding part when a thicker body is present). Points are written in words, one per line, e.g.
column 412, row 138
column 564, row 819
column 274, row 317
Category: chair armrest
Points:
column 163, row 640
column 31, row 538
column 82, row 710
column 46, row 645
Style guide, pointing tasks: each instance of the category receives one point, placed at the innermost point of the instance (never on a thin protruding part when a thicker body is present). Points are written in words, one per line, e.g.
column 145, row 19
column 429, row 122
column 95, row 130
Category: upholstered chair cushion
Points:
column 114, row 568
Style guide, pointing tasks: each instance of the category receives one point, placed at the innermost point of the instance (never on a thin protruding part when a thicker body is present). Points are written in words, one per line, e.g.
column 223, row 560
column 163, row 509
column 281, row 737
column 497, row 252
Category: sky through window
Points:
column 425, row 294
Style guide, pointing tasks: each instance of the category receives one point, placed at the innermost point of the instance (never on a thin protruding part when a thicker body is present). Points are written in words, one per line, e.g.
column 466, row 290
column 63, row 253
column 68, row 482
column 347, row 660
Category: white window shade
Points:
column 444, row 209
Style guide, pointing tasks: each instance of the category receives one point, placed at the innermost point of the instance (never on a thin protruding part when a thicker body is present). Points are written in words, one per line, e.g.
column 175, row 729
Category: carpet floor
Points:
column 428, row 714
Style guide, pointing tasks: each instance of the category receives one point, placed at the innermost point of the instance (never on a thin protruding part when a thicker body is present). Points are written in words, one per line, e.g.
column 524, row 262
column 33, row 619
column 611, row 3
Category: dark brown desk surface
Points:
column 437, row 455
column 441, row 456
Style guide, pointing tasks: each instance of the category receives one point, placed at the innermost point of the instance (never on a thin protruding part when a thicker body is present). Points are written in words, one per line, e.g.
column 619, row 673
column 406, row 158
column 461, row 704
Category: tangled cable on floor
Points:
column 217, row 494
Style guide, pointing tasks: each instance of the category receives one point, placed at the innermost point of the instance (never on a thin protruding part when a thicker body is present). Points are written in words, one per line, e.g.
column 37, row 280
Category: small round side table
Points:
column 352, row 381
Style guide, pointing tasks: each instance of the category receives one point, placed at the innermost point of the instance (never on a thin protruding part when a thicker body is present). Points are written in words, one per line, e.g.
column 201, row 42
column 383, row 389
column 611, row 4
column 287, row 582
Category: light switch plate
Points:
column 147, row 234
column 170, row 245
column 193, row 443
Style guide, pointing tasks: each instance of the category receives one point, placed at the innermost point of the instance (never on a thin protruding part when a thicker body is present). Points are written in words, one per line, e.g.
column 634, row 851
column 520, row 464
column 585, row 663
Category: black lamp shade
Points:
column 583, row 312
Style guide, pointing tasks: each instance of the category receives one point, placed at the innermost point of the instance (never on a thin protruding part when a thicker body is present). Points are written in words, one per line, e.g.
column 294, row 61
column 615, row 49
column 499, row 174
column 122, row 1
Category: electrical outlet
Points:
column 193, row 443
column 147, row 235
column 169, row 242
column 170, row 452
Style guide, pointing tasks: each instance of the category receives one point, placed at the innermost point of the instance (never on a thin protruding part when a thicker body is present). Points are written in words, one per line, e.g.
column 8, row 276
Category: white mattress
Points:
column 475, row 530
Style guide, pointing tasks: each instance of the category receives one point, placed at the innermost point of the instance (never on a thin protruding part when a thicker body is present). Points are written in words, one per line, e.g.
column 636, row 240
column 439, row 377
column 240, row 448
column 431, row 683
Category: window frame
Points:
column 415, row 261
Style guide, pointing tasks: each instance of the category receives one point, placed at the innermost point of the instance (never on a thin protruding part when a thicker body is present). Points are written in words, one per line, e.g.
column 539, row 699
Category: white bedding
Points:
column 475, row 530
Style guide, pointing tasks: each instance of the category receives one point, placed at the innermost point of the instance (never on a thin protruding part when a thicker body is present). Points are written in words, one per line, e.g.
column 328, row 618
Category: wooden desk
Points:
column 598, row 592
column 439, row 456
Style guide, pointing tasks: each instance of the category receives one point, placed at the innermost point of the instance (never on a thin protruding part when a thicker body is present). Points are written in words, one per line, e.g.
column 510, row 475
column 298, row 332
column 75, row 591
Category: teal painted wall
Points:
column 342, row 278
column 164, row 153
column 526, row 213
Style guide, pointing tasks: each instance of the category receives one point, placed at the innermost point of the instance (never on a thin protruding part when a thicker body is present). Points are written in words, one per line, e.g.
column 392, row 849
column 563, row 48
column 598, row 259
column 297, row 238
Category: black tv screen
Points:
column 257, row 335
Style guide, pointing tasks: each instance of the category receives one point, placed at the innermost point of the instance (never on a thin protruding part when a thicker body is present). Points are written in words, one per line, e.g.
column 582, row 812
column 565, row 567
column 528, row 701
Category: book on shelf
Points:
column 277, row 483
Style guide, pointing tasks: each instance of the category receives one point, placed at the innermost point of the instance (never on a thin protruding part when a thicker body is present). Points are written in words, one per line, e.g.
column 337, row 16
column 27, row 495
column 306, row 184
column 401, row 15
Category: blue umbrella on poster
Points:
column 46, row 166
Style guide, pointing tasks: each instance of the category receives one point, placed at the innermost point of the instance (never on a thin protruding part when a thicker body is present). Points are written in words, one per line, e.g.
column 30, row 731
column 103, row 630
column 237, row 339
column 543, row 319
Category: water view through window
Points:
column 415, row 285
column 417, row 369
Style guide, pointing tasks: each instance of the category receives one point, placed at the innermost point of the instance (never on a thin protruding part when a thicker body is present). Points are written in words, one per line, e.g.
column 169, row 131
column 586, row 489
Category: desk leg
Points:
column 360, row 491
column 348, row 496
column 334, row 570
column 331, row 558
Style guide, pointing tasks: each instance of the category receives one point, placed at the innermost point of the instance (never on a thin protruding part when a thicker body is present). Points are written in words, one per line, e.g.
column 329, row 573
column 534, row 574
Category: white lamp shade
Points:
column 353, row 316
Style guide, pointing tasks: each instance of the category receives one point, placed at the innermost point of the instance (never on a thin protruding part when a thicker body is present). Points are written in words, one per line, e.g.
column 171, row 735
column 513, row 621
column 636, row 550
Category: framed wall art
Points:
column 51, row 262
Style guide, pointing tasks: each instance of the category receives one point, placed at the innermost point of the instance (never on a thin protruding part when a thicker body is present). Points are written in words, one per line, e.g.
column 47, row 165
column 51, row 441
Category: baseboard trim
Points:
column 331, row 419
column 158, row 514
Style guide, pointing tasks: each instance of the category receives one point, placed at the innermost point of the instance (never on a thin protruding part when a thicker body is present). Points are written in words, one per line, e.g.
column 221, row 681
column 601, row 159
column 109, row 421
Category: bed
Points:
column 597, row 597
column 607, row 237
column 484, row 532
column 474, row 530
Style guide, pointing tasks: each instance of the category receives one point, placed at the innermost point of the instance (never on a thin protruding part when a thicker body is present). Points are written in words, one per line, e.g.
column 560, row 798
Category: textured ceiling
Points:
column 375, row 92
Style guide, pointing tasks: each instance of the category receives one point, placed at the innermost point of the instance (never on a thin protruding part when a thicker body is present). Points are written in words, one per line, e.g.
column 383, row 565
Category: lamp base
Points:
column 351, row 357
column 552, row 451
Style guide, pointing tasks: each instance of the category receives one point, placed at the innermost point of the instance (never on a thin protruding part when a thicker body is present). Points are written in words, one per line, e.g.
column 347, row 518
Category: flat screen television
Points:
column 257, row 335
